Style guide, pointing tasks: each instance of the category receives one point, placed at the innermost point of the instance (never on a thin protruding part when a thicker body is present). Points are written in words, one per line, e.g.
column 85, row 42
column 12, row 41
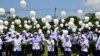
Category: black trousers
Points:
column 67, row 53
column 0, row 52
column 36, row 53
column 9, row 49
column 98, row 53
column 42, row 49
column 74, row 48
column 17, row 53
column 92, row 49
column 24, row 50
column 51, row 53
column 61, row 47
column 84, row 53
column 29, row 48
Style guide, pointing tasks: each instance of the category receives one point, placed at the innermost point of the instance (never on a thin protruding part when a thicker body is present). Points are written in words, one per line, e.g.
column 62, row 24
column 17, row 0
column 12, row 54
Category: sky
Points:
column 46, row 7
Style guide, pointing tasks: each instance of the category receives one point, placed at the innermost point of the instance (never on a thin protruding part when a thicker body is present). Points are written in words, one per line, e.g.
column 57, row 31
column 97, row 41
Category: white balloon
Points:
column 14, row 16
column 6, row 23
column 29, row 21
column 35, row 22
column 90, row 24
column 97, row 22
column 18, row 21
column 97, row 15
column 48, row 31
column 12, row 23
column 12, row 11
column 86, row 25
column 44, row 20
column 72, row 19
column 71, row 24
column 23, row 4
column 86, row 19
column 63, row 14
column 38, row 26
column 74, row 29
column 27, row 26
column 80, row 29
column 25, row 21
column 20, row 25
column 34, row 27
column 65, row 32
column 40, row 31
column 48, row 18
column 89, row 28
column 12, row 27
column 5, row 27
column 1, row 22
column 62, row 20
column 83, row 24
column 66, row 24
column 80, row 13
column 33, row 19
column 55, row 25
column 98, row 25
column 48, row 25
column 44, row 27
column 61, row 25
column 80, row 22
column 32, row 13
column 56, row 21
column 2, row 11
column 96, row 29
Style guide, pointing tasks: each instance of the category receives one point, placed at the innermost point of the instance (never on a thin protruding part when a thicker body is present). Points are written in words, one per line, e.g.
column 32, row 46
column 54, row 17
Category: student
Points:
column 36, row 43
column 17, row 50
column 84, row 46
column 8, row 46
column 50, row 43
column 24, row 44
column 42, row 41
column 1, row 43
column 67, row 45
column 17, row 45
column 98, row 46
column 60, row 42
column 55, row 37
column 74, row 41
column 93, row 43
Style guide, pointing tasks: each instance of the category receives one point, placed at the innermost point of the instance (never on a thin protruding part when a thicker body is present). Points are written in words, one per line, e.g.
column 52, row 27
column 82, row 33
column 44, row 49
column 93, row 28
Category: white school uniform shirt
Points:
column 98, row 44
column 84, row 44
column 50, row 45
column 35, row 42
column 90, row 34
column 55, row 35
column 1, row 43
column 66, row 44
column 17, row 44
column 74, row 39
column 95, row 38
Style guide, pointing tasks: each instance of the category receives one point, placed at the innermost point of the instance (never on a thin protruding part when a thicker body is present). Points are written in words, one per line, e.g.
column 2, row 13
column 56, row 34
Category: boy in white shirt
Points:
column 84, row 46
column 67, row 45
column 51, row 43
column 98, row 46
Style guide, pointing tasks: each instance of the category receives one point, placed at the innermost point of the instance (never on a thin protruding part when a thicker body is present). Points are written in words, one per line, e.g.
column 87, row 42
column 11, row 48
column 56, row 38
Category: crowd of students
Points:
column 14, row 43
